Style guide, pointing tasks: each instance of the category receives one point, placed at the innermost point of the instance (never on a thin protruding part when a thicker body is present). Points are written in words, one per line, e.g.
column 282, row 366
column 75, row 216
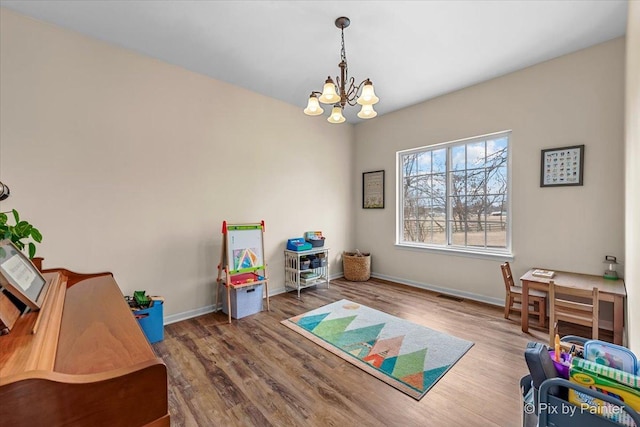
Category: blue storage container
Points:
column 244, row 301
column 151, row 321
column 298, row 244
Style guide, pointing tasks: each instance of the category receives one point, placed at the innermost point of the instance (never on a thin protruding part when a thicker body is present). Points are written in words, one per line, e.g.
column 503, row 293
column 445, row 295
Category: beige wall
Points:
column 632, row 181
column 571, row 100
column 130, row 165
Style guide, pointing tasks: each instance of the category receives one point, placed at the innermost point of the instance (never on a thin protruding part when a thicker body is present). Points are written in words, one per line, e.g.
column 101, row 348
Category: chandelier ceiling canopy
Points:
column 344, row 91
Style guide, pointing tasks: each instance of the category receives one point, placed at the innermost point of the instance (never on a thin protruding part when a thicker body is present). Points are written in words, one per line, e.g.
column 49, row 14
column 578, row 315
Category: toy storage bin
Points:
column 356, row 268
column 245, row 301
column 316, row 243
column 151, row 321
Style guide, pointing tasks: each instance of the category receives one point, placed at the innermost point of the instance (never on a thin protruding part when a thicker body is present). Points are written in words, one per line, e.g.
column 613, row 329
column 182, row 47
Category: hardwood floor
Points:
column 257, row 372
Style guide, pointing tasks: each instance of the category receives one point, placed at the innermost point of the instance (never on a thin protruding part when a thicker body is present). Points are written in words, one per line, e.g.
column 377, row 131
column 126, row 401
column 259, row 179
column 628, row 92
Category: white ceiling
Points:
column 411, row 50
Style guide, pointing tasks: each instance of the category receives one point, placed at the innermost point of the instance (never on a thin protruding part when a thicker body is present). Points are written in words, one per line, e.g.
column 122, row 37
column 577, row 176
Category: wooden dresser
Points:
column 87, row 364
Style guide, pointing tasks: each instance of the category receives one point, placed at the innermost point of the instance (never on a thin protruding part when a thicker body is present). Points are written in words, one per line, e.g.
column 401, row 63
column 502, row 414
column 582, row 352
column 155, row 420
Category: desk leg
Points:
column 525, row 306
column 618, row 319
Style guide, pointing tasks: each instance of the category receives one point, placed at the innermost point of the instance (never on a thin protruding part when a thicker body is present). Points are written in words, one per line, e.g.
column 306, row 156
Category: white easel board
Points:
column 244, row 248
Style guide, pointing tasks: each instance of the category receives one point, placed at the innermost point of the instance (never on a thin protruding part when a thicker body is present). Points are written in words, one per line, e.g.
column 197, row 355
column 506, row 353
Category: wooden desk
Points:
column 609, row 290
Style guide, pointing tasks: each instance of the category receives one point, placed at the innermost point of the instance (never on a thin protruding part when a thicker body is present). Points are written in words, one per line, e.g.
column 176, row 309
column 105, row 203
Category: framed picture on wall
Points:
column 561, row 167
column 373, row 190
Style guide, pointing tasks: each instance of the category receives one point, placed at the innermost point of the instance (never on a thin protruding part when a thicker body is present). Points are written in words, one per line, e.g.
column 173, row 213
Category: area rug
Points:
column 405, row 355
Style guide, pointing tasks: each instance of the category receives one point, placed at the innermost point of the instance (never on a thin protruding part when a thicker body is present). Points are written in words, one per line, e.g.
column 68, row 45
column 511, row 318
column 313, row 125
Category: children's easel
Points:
column 242, row 260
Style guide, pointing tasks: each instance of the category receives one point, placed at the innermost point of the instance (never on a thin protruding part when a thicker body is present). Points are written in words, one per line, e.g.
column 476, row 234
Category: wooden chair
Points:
column 570, row 310
column 537, row 299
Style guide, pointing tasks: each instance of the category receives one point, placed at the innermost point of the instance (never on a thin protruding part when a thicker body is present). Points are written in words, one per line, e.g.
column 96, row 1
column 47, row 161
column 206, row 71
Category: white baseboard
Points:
column 603, row 323
column 446, row 291
column 173, row 318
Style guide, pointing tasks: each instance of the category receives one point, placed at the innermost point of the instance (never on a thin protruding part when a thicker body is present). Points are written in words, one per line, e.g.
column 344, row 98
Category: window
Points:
column 454, row 196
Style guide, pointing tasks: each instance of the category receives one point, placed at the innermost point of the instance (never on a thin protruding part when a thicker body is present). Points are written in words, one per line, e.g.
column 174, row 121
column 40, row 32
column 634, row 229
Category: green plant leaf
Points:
column 3, row 218
column 16, row 216
column 23, row 229
column 35, row 234
column 32, row 250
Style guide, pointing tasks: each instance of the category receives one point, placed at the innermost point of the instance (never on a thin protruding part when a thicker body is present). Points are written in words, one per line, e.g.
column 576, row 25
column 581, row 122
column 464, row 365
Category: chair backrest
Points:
column 570, row 310
column 507, row 276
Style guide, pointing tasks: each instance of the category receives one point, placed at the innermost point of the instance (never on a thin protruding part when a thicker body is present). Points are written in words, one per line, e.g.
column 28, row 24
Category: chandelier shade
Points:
column 329, row 94
column 336, row 115
column 367, row 112
column 368, row 96
column 313, row 106
column 343, row 91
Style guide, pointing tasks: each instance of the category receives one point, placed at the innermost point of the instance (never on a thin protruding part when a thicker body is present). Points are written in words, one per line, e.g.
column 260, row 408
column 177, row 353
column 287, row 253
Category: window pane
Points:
column 458, row 160
column 458, row 183
column 439, row 160
column 439, row 236
column 475, row 155
column 496, row 148
column 424, row 163
column 475, row 209
column 458, row 233
column 410, row 164
column 409, row 231
column 409, row 211
column 439, row 187
column 476, row 182
column 497, row 180
column 497, row 234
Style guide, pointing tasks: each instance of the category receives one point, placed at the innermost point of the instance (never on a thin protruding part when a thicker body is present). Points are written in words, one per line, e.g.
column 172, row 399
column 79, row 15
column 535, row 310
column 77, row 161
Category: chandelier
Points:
column 344, row 91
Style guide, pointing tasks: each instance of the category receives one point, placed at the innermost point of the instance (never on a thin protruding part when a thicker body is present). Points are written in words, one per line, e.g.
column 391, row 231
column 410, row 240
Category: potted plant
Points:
column 19, row 231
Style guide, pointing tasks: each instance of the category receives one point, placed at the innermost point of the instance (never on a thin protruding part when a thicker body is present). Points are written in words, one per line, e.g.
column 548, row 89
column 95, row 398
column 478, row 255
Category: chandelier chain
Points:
column 343, row 54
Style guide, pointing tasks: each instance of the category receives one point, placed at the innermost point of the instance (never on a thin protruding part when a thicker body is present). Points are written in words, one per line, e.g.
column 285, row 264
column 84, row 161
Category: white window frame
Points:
column 448, row 248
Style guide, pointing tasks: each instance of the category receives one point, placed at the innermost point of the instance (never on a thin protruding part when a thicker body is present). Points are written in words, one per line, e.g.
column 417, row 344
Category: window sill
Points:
column 469, row 253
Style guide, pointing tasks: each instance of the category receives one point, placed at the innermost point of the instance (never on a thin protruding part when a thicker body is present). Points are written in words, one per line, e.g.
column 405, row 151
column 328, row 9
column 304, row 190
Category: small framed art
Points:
column 373, row 190
column 20, row 277
column 561, row 167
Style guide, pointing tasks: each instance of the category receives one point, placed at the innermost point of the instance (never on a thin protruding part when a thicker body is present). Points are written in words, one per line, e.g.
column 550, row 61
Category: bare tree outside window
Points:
column 456, row 194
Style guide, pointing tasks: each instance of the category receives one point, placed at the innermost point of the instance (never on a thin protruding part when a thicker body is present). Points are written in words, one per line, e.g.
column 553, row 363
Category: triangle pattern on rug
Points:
column 310, row 322
column 332, row 329
column 416, row 380
column 390, row 346
column 358, row 350
column 410, row 363
column 432, row 375
column 388, row 365
column 359, row 336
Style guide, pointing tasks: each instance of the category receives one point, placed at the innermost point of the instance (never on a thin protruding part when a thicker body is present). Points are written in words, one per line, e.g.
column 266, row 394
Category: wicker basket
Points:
column 356, row 268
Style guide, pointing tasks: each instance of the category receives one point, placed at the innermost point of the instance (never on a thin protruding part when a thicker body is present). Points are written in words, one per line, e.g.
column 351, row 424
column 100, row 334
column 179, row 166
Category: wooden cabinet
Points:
column 87, row 364
column 306, row 268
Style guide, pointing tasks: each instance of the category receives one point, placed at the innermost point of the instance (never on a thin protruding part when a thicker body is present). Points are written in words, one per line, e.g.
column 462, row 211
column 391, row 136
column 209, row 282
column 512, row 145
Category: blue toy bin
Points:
column 151, row 321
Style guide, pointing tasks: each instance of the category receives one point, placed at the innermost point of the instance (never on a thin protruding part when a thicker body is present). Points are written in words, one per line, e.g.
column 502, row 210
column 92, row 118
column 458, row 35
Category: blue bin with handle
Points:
column 151, row 321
